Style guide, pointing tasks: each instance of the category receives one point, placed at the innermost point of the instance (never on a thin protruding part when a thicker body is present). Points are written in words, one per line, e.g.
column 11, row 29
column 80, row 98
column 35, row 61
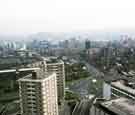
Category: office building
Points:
column 87, row 44
column 38, row 94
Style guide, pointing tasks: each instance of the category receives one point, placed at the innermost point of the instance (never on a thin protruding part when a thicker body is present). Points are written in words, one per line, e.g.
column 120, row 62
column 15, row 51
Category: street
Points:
column 64, row 110
column 82, row 87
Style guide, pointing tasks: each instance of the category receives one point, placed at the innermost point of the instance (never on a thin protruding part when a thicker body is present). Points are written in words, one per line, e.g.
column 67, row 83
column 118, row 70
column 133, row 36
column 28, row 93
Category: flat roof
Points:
column 52, row 60
column 121, row 85
column 120, row 106
column 41, row 78
column 18, row 70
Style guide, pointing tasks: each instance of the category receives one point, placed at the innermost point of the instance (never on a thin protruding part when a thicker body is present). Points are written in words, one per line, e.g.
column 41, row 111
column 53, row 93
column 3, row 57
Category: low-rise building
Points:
column 119, row 106
column 120, row 86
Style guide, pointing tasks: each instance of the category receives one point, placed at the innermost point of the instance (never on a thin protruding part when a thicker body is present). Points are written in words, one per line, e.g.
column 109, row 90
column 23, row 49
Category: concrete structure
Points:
column 57, row 66
column 43, row 47
column 119, row 88
column 87, row 44
column 38, row 94
column 106, row 91
column 119, row 106
column 40, row 64
column 123, row 88
column 52, row 64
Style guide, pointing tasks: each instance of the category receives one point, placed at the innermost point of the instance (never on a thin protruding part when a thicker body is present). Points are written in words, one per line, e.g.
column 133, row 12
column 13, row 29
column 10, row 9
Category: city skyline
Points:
column 67, row 57
column 94, row 35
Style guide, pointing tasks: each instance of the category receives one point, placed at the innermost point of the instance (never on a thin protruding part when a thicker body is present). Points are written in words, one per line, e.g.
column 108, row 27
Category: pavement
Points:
column 93, row 70
column 64, row 110
column 82, row 88
column 83, row 107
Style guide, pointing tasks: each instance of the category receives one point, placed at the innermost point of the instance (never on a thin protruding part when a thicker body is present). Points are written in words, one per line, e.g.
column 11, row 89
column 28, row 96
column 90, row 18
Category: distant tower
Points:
column 38, row 94
column 66, row 44
column 87, row 44
column 87, row 47
column 44, row 47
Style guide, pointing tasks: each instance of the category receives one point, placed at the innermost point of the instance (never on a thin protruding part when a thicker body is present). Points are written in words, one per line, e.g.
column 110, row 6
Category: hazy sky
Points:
column 26, row 16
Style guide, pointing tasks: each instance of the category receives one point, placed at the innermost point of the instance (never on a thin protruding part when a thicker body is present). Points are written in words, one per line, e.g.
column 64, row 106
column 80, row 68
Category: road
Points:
column 65, row 110
column 94, row 71
column 82, row 87
column 83, row 107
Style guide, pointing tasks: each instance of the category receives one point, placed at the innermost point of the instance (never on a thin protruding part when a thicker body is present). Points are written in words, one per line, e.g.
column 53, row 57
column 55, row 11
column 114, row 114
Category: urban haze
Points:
column 72, row 57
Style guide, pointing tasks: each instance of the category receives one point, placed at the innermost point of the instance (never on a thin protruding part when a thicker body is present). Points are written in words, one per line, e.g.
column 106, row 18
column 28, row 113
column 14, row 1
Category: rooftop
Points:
column 52, row 60
column 125, row 85
column 37, row 77
column 113, row 75
column 122, row 82
column 120, row 106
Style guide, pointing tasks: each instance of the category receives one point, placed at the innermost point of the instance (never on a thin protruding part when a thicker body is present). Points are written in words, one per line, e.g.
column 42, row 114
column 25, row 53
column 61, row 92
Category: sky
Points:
column 31, row 16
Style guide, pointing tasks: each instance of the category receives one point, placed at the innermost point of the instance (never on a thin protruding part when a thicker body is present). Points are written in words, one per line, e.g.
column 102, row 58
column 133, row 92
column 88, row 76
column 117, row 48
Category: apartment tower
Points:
column 57, row 66
column 52, row 64
column 38, row 94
